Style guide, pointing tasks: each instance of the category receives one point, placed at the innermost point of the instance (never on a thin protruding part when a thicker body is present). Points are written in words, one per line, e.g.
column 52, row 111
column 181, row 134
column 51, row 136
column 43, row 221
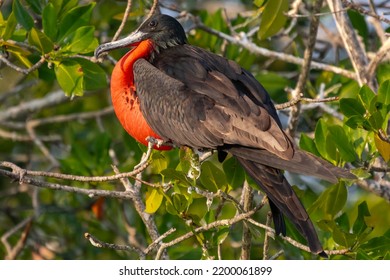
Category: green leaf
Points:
column 384, row 93
column 352, row 107
column 179, row 202
column 81, row 41
column 359, row 23
column 49, row 21
column 273, row 18
column 159, row 162
column 383, row 148
column 99, row 151
column 153, row 201
column 362, row 255
column 367, row 96
column 258, row 3
column 336, row 197
column 170, row 208
column 343, row 238
column 383, row 72
column 308, row 144
column 235, row 174
column 343, row 222
column 345, row 148
column 74, row 19
column 221, row 235
column 354, row 121
column 212, row 178
column 360, row 224
column 173, row 175
column 331, row 201
column 70, row 77
column 321, row 132
column 377, row 247
column 197, row 209
column 376, row 120
column 40, row 40
column 9, row 27
column 94, row 76
column 2, row 25
column 35, row 6
column 22, row 16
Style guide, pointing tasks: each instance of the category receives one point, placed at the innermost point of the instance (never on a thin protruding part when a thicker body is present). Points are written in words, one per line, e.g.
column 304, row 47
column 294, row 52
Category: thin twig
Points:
column 352, row 45
column 361, row 10
column 12, row 252
column 253, row 48
column 123, row 22
column 380, row 55
column 219, row 223
column 23, row 70
column 156, row 242
column 53, row 186
column 153, row 9
column 50, row 100
column 246, row 204
column 100, row 244
column 307, row 57
column 267, row 236
column 299, row 99
column 71, row 177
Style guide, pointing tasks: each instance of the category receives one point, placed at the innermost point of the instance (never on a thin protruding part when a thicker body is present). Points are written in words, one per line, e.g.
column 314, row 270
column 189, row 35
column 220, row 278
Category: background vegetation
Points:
column 72, row 178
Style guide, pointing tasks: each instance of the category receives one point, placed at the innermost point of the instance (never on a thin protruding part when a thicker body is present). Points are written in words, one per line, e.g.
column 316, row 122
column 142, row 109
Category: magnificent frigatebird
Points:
column 187, row 96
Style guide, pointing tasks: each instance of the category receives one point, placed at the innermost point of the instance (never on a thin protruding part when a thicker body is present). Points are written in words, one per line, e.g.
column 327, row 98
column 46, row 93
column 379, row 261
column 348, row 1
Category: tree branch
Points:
column 244, row 42
column 297, row 92
column 352, row 45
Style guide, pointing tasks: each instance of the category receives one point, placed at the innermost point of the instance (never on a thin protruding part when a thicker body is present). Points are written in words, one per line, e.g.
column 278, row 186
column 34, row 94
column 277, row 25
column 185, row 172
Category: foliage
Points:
column 53, row 41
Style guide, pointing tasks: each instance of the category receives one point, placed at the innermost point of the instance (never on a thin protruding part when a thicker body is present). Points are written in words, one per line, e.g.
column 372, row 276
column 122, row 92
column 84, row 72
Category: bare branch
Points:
column 19, row 176
column 153, row 9
column 23, row 70
column 297, row 93
column 219, row 223
column 253, row 48
column 12, row 252
column 380, row 55
column 363, row 11
column 352, row 45
column 17, row 169
column 299, row 99
column 100, row 244
column 123, row 22
column 51, row 99
column 246, row 204
column 267, row 236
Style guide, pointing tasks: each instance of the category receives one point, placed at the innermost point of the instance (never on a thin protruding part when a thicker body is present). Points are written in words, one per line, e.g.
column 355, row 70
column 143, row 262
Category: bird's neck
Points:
column 123, row 70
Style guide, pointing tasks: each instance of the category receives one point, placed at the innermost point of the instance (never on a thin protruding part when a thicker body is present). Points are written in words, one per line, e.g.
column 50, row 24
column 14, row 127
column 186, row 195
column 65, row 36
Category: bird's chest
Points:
column 127, row 106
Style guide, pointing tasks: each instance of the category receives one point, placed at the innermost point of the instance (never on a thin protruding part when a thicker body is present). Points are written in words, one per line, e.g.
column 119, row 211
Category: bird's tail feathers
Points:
column 283, row 201
column 302, row 163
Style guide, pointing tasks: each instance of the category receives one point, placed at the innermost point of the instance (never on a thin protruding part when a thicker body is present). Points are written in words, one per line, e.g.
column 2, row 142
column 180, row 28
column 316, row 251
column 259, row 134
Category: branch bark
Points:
column 352, row 45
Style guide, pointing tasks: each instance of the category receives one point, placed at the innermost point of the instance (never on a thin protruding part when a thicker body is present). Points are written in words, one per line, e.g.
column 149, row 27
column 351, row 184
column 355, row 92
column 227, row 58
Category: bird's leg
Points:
column 154, row 141
column 145, row 156
column 203, row 154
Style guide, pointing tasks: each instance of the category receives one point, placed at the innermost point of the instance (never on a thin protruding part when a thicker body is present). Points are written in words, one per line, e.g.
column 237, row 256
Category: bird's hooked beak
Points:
column 132, row 40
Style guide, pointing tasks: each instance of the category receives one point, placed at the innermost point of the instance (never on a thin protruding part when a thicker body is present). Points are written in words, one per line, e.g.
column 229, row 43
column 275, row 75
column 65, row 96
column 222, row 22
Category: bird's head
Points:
column 163, row 30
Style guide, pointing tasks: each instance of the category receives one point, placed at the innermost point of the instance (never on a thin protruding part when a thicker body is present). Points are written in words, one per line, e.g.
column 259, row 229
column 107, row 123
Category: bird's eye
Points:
column 153, row 23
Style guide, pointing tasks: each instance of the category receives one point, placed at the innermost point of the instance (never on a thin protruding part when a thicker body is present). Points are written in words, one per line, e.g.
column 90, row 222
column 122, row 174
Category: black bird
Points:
column 188, row 96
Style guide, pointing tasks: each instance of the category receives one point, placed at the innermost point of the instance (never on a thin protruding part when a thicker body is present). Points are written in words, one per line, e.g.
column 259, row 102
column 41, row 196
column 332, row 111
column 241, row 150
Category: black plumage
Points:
column 192, row 97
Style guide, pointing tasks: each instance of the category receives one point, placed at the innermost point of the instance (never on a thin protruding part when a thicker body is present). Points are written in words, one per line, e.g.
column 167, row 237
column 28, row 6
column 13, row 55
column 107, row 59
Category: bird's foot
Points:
column 145, row 156
column 203, row 154
column 157, row 142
